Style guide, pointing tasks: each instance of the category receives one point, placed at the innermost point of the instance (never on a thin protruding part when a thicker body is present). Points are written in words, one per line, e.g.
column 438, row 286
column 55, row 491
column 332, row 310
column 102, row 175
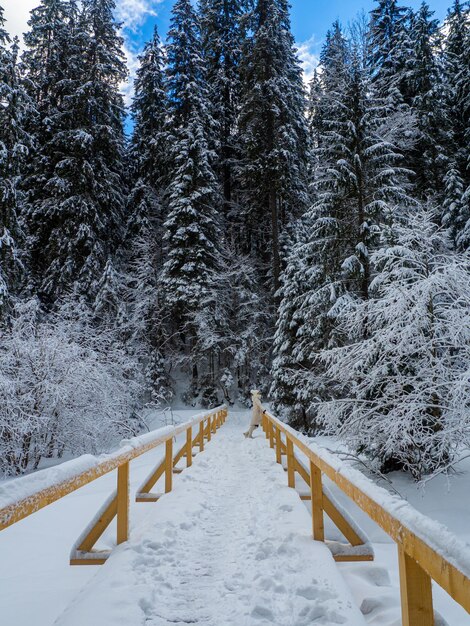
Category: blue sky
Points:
column 310, row 21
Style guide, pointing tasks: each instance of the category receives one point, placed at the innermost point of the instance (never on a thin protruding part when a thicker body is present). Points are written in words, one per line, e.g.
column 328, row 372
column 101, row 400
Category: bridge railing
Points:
column 426, row 550
column 24, row 496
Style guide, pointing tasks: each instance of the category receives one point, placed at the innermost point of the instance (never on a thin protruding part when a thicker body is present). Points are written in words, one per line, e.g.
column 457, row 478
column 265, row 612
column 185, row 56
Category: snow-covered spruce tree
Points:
column 274, row 135
column 456, row 62
column 144, row 236
column 14, row 142
column 406, row 398
column 191, row 229
column 425, row 87
column 389, row 54
column 76, row 183
column 311, row 280
column 222, row 30
column 389, row 49
column 288, row 372
column 359, row 183
column 149, row 112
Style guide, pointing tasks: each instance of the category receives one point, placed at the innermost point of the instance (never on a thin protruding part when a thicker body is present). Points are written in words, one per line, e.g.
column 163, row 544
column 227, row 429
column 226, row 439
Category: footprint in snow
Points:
column 262, row 612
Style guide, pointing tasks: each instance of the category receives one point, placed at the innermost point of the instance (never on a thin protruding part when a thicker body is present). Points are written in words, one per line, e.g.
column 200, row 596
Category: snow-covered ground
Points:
column 230, row 529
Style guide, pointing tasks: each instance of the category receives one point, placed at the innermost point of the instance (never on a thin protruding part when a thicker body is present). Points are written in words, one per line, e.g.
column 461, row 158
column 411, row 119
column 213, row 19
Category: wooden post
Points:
column 214, row 422
column 278, row 445
column 271, row 434
column 189, row 447
column 201, row 436
column 415, row 591
column 122, row 503
column 209, row 429
column 290, row 462
column 316, row 494
column 168, row 465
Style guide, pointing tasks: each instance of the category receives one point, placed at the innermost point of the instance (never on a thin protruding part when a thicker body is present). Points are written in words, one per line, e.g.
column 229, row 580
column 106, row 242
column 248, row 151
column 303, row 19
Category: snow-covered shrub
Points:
column 64, row 387
column 404, row 378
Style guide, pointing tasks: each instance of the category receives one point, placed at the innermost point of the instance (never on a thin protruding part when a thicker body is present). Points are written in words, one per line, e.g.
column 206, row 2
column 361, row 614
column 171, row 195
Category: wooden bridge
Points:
column 230, row 540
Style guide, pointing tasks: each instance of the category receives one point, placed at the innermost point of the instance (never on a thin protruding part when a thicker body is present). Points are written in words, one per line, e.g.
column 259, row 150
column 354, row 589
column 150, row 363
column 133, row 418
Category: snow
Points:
column 231, row 544
column 37, row 584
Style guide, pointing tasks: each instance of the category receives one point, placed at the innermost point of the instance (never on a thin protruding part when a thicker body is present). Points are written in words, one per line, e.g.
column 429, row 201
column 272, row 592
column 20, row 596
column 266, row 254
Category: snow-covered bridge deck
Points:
column 231, row 544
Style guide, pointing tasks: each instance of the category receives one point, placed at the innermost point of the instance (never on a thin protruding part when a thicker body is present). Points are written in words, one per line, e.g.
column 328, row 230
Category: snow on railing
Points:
column 427, row 550
column 23, row 496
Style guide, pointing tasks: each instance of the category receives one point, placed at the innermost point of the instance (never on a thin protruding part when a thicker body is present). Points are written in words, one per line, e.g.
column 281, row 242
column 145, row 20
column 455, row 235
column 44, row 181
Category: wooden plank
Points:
column 105, row 519
column 147, row 497
column 353, row 558
column 341, row 522
column 189, row 447
column 179, row 455
column 153, row 478
column 208, row 429
column 278, row 446
column 168, row 465
column 316, row 494
column 89, row 561
column 271, row 435
column 290, row 463
column 201, row 436
column 415, row 591
column 123, row 504
column 302, row 470
column 447, row 575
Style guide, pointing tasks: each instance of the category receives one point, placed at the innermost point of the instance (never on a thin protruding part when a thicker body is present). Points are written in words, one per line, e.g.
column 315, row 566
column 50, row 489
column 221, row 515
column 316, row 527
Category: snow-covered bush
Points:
column 65, row 387
column 404, row 378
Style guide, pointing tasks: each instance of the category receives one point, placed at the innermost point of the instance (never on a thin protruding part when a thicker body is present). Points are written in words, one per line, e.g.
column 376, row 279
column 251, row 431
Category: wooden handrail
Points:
column 88, row 468
column 419, row 560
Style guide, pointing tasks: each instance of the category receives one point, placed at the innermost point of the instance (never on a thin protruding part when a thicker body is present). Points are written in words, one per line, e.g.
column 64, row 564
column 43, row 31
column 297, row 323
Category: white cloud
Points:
column 308, row 57
column 133, row 13
column 17, row 15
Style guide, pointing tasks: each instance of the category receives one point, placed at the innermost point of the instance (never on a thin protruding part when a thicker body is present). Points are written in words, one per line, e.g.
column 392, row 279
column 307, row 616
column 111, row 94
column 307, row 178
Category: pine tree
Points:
column 425, row 87
column 144, row 237
column 457, row 108
column 405, row 392
column 359, row 184
column 274, row 134
column 288, row 372
column 389, row 49
column 149, row 111
column 148, row 151
column 14, row 143
column 223, row 36
column 191, row 229
column 76, row 183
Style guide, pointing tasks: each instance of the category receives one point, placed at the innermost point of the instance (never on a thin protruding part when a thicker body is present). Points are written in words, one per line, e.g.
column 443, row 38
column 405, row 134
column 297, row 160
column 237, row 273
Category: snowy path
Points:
column 230, row 545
